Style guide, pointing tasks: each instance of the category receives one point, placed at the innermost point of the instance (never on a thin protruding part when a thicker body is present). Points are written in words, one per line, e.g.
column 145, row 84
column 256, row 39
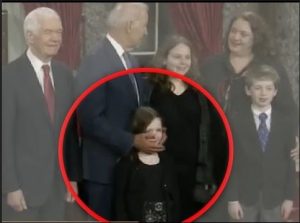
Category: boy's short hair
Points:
column 261, row 72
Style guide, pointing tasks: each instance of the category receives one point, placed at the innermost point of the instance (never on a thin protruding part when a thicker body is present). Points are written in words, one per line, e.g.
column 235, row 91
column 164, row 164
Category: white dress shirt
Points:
column 118, row 48
column 37, row 66
column 120, row 51
column 256, row 114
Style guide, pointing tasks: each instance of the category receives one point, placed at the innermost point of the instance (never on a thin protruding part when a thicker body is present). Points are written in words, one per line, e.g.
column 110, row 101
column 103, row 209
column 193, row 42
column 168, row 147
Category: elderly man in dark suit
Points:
column 36, row 95
column 105, row 115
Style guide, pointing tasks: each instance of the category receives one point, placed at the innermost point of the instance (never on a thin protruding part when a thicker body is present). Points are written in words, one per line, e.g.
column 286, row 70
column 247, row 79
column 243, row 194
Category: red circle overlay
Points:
column 137, row 71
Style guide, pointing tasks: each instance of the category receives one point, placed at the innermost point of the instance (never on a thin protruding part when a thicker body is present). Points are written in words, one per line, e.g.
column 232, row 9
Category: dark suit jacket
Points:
column 30, row 141
column 271, row 172
column 105, row 115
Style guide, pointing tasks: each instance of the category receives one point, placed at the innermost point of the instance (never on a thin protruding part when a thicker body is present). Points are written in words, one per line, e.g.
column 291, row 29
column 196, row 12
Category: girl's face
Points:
column 155, row 130
column 240, row 39
column 179, row 59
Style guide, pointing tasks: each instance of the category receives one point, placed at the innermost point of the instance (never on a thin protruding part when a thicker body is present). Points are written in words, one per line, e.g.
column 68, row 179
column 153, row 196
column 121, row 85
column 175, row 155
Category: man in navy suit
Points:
column 36, row 95
column 105, row 115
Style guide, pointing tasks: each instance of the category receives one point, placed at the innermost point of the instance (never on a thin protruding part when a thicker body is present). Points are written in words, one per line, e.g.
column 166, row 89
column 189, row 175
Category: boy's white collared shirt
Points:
column 256, row 114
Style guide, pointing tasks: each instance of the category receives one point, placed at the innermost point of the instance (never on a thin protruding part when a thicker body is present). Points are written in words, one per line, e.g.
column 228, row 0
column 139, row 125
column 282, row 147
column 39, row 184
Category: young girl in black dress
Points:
column 146, row 186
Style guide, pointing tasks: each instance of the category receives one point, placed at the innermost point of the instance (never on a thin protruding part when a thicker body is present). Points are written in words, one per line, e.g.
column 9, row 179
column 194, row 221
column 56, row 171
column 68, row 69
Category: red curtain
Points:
column 71, row 20
column 202, row 23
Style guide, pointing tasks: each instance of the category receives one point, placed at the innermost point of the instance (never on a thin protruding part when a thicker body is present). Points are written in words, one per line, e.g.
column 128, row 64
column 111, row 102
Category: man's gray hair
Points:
column 32, row 23
column 119, row 15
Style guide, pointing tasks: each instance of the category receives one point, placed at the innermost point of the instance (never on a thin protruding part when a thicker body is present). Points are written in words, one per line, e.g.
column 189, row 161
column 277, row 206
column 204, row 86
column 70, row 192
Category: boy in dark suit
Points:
column 263, row 182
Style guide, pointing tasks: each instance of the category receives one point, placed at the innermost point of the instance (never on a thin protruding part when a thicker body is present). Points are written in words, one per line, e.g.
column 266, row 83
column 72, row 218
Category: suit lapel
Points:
column 251, row 132
column 35, row 89
column 113, row 56
column 276, row 127
column 117, row 62
column 274, row 134
column 57, row 92
column 137, row 78
column 63, row 94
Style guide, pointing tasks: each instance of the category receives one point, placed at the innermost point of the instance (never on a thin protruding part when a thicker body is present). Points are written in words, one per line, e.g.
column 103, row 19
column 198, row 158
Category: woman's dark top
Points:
column 181, row 115
column 219, row 75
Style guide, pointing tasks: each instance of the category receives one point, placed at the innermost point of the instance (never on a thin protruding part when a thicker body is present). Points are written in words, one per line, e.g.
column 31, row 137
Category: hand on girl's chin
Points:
column 152, row 140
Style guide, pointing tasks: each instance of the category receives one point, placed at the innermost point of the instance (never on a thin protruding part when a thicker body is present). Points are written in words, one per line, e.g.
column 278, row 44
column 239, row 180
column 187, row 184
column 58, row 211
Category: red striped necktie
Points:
column 49, row 92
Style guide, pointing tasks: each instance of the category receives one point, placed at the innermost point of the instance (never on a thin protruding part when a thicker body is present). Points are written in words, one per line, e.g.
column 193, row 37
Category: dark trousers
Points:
column 97, row 197
column 53, row 209
column 258, row 213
